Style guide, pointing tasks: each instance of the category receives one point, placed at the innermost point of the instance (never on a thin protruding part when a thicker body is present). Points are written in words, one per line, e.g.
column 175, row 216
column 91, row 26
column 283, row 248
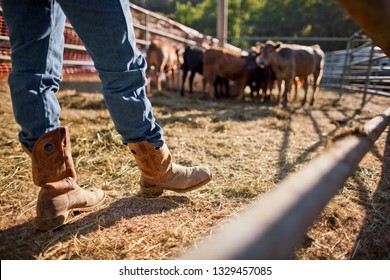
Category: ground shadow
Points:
column 23, row 242
column 373, row 242
column 285, row 167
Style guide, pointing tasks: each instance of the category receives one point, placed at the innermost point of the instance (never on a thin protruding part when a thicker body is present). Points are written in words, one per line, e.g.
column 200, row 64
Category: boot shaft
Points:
column 51, row 158
column 54, row 172
column 154, row 162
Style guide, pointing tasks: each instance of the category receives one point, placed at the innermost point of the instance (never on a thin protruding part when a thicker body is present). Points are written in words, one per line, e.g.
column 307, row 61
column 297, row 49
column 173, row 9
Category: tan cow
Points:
column 291, row 61
column 229, row 65
column 163, row 60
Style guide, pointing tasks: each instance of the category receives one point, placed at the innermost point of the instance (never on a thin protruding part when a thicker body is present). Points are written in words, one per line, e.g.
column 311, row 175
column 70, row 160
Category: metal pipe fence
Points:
column 274, row 225
column 361, row 67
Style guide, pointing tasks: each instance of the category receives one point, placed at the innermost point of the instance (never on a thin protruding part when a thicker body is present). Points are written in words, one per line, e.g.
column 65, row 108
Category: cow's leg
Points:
column 192, row 76
column 159, row 77
column 256, row 86
column 158, row 80
column 305, row 82
column 316, row 83
column 295, row 82
column 173, row 79
column 209, row 80
column 169, row 80
column 279, row 90
column 271, row 84
column 264, row 88
column 213, row 91
column 241, row 87
column 185, row 72
column 287, row 89
column 204, row 80
column 227, row 89
column 253, row 88
column 148, row 87
column 217, row 84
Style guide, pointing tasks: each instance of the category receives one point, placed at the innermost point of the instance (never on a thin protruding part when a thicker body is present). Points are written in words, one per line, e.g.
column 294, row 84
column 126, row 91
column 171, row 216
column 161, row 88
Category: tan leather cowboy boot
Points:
column 53, row 171
column 158, row 173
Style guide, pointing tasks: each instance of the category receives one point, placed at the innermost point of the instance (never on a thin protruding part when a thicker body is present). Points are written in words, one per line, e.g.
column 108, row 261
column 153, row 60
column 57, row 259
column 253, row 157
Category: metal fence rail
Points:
column 273, row 226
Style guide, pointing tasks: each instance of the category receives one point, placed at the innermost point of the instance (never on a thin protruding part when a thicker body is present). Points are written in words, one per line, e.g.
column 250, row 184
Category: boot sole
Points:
column 155, row 191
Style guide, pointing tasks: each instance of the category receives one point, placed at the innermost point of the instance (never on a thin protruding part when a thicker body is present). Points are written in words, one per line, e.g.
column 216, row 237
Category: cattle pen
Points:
column 272, row 227
column 291, row 207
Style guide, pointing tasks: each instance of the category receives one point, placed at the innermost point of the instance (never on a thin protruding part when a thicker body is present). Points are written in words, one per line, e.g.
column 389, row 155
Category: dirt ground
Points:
column 249, row 147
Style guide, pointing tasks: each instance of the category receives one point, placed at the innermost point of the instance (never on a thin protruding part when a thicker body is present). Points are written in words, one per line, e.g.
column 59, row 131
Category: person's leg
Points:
column 37, row 46
column 106, row 29
column 36, row 36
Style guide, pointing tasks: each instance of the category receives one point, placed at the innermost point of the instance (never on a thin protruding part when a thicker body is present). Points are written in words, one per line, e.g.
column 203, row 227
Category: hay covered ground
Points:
column 249, row 146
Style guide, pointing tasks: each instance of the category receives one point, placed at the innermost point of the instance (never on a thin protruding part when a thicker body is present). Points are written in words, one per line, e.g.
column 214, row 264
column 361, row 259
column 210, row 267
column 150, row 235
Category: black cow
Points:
column 193, row 62
column 263, row 78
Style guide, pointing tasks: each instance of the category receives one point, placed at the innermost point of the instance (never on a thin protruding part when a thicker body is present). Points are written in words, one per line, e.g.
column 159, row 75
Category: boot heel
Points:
column 150, row 191
column 51, row 223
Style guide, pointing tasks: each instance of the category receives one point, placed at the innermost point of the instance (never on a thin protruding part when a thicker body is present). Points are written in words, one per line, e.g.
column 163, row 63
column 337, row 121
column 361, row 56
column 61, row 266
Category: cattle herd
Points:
column 253, row 72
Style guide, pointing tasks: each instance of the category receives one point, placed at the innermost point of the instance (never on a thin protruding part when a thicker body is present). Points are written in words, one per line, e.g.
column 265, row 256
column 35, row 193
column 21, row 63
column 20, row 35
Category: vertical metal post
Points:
column 368, row 74
column 347, row 65
column 147, row 32
column 222, row 22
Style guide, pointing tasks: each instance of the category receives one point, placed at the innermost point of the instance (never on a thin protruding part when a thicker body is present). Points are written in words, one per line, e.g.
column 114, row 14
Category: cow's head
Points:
column 251, row 58
column 267, row 52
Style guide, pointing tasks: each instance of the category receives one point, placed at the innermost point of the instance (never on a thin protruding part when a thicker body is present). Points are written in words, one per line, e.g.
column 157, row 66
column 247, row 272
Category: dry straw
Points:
column 250, row 147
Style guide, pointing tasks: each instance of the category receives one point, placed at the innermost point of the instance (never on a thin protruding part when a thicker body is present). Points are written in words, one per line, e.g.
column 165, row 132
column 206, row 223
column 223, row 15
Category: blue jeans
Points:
column 105, row 26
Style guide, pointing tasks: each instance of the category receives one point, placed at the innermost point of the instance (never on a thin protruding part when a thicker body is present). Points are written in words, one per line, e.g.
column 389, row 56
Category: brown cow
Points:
column 373, row 17
column 229, row 65
column 165, row 61
column 291, row 61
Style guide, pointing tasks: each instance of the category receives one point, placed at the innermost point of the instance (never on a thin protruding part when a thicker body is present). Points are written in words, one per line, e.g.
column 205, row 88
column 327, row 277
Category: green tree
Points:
column 271, row 18
column 239, row 20
column 202, row 17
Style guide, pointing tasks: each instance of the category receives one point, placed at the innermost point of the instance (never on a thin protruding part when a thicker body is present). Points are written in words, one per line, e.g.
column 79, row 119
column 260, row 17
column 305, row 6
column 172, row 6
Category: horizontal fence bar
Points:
column 370, row 91
column 75, row 47
column 369, row 78
column 171, row 22
column 5, row 57
column 164, row 34
column 286, row 38
column 273, row 226
column 68, row 62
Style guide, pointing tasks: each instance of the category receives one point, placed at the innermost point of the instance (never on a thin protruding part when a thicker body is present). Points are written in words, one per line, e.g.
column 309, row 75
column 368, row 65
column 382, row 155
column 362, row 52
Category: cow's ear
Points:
column 277, row 46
